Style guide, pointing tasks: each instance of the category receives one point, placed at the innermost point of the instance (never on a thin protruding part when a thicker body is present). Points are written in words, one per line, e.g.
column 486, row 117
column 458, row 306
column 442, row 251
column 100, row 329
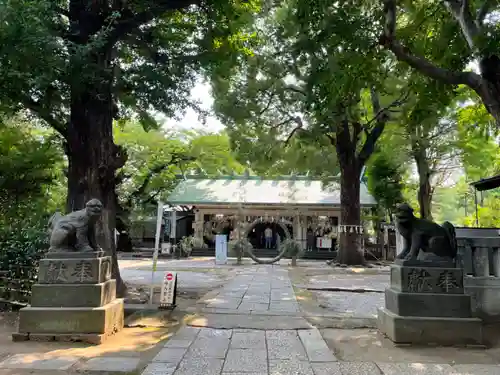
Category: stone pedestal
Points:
column 74, row 300
column 426, row 304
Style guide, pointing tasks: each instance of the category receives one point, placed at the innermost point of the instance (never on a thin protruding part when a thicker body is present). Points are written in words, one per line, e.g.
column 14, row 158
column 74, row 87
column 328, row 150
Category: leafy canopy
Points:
column 161, row 48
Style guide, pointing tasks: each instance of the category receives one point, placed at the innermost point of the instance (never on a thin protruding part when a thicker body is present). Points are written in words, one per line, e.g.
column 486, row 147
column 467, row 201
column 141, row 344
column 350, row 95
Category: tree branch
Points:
column 381, row 118
column 424, row 66
column 130, row 21
column 176, row 158
column 44, row 114
column 460, row 9
column 483, row 12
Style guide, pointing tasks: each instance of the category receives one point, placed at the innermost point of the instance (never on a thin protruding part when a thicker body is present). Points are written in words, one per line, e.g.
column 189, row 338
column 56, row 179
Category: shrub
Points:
column 293, row 250
column 20, row 252
column 237, row 248
column 187, row 244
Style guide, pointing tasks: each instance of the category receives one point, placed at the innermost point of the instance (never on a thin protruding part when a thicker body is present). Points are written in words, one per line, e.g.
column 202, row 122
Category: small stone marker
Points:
column 168, row 291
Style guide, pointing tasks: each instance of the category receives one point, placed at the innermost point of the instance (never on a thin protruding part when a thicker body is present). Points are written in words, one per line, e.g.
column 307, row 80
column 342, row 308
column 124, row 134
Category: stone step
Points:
column 428, row 305
column 73, row 295
column 72, row 320
column 430, row 330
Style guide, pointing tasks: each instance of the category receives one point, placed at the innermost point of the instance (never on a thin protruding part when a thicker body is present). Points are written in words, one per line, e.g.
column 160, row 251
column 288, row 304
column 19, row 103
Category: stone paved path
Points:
column 267, row 290
column 262, row 288
column 206, row 351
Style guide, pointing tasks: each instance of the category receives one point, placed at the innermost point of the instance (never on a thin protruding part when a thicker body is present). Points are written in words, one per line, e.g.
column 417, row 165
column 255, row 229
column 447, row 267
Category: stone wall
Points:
column 480, row 259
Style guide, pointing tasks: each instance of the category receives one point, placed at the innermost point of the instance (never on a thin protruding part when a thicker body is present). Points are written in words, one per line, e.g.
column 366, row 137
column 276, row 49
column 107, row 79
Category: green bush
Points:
column 187, row 244
column 20, row 252
column 293, row 248
column 237, row 248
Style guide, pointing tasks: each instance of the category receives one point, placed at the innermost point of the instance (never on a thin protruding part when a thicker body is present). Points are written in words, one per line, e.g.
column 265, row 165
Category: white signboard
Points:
column 221, row 249
column 324, row 243
column 168, row 290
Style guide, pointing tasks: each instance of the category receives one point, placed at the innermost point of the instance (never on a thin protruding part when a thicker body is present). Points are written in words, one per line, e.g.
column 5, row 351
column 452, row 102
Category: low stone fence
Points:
column 480, row 258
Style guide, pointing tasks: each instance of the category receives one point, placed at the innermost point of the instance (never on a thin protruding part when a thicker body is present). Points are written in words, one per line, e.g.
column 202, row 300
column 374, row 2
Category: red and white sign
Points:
column 168, row 290
column 324, row 242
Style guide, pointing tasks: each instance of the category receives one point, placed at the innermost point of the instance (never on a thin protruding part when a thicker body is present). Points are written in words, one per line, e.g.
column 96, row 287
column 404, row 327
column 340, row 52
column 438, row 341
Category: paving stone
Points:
column 315, row 346
column 209, row 347
column 415, row 368
column 246, row 359
column 281, row 345
column 290, row 367
column 284, row 306
column 170, row 355
column 159, row 369
column 280, row 333
column 211, row 332
column 475, row 370
column 38, row 362
column 327, row 368
column 178, row 343
column 199, row 366
column 361, row 368
column 225, row 303
column 250, row 306
column 187, row 333
column 112, row 364
column 255, row 299
column 245, row 373
column 248, row 340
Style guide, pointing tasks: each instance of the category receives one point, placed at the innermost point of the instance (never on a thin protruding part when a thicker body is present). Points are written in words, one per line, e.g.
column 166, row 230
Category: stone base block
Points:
column 485, row 293
column 90, row 338
column 72, row 320
column 433, row 280
column 74, row 271
column 428, row 305
column 73, row 295
column 439, row 331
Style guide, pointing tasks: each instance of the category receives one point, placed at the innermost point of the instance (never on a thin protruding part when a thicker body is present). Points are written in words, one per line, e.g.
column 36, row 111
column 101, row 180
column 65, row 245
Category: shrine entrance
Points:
column 281, row 230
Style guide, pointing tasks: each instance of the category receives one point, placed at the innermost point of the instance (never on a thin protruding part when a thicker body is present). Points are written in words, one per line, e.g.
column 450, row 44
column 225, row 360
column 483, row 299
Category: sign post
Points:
column 168, row 291
column 221, row 249
column 159, row 219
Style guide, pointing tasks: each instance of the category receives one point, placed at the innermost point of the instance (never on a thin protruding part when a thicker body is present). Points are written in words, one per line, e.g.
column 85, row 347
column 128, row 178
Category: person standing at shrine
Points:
column 268, row 235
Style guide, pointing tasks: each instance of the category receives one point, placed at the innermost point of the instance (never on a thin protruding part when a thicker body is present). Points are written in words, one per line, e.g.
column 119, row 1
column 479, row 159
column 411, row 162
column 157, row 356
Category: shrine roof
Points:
column 288, row 190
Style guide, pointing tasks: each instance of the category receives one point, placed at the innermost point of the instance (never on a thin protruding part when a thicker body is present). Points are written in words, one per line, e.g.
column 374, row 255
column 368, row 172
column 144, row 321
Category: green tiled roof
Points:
column 254, row 190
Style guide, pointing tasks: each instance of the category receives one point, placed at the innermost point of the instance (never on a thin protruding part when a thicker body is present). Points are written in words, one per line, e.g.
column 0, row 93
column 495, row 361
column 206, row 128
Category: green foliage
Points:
column 22, row 244
column 488, row 214
column 212, row 153
column 160, row 51
column 157, row 158
column 385, row 181
column 187, row 244
column 28, row 161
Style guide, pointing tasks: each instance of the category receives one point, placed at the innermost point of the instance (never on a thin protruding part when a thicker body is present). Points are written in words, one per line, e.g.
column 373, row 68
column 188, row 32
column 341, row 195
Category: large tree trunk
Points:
column 92, row 165
column 424, row 187
column 92, row 155
column 350, row 251
column 419, row 146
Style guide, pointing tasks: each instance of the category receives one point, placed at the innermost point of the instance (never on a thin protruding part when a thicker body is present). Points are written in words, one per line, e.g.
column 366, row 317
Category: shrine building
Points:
column 295, row 207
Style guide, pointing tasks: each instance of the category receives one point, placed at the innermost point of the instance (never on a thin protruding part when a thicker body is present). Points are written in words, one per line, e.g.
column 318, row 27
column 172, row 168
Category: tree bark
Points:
column 350, row 251
column 92, row 155
column 424, row 188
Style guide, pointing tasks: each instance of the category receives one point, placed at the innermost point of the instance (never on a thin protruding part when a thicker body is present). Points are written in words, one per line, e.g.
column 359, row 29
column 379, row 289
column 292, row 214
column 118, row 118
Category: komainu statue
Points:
column 436, row 241
column 76, row 230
